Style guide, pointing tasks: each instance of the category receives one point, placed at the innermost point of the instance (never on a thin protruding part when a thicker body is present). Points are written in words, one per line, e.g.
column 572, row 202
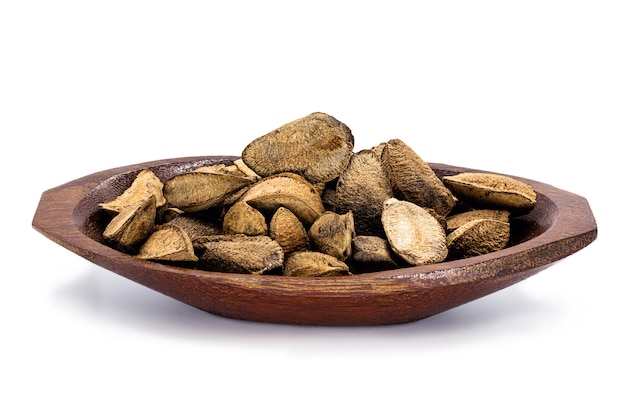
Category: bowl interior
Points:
column 91, row 220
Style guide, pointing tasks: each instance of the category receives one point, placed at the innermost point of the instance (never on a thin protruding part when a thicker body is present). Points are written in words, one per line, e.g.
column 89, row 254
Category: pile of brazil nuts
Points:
column 301, row 202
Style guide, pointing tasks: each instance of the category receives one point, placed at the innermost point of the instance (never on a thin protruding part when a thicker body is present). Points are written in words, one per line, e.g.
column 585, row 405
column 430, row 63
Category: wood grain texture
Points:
column 561, row 224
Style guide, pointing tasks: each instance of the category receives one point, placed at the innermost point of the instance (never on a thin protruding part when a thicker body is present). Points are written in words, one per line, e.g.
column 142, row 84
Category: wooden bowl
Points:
column 561, row 224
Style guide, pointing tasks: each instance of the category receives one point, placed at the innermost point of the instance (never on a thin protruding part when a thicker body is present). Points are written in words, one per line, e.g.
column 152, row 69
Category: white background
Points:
column 535, row 89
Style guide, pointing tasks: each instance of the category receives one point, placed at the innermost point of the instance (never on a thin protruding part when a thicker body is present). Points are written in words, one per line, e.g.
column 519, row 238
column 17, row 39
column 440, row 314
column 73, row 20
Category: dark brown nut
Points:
column 168, row 243
column 314, row 264
column 197, row 191
column 317, row 147
column 132, row 225
column 373, row 253
column 241, row 218
column 413, row 233
column 286, row 190
column 457, row 220
column 288, row 231
column 332, row 234
column 143, row 186
column 495, row 191
column 478, row 237
column 239, row 254
column 363, row 189
column 413, row 180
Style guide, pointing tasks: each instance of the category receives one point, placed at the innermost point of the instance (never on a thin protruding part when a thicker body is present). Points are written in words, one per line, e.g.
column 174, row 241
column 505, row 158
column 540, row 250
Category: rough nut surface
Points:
column 286, row 190
column 169, row 243
column 317, row 146
column 288, row 231
column 241, row 218
column 413, row 180
column 478, row 237
column 314, row 264
column 332, row 234
column 146, row 184
column 239, row 254
column 363, row 189
column 486, row 190
column 197, row 191
column 413, row 233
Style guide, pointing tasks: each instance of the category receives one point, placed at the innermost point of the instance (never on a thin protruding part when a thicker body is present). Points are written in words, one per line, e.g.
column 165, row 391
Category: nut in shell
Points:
column 195, row 227
column 146, row 184
column 362, row 189
column 241, row 218
column 478, row 237
column 168, row 243
column 457, row 220
column 373, row 253
column 495, row 191
column 413, row 233
column 197, row 191
column 286, row 190
column 133, row 224
column 317, row 146
column 332, row 234
column 413, row 180
column 314, row 264
column 288, row 231
column 239, row 254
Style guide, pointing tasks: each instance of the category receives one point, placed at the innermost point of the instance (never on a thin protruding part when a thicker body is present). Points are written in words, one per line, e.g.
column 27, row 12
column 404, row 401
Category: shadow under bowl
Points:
column 560, row 224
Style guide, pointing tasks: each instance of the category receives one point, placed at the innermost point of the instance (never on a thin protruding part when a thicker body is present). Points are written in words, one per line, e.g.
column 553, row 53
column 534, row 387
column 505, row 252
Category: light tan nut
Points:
column 478, row 237
column 196, row 227
column 239, row 254
column 286, row 190
column 288, row 231
column 168, row 243
column 241, row 218
column 132, row 225
column 317, row 147
column 362, row 189
column 457, row 220
column 413, row 180
column 495, row 191
column 314, row 264
column 413, row 233
column 248, row 172
column 197, row 191
column 145, row 184
column 332, row 234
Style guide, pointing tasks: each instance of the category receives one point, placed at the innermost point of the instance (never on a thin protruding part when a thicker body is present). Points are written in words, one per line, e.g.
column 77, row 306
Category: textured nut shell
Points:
column 413, row 233
column 239, row 254
column 457, row 220
column 168, row 243
column 195, row 227
column 486, row 190
column 143, row 186
column 286, row 190
column 374, row 252
column 478, row 237
column 243, row 219
column 197, row 191
column 332, row 234
column 314, row 264
column 133, row 224
column 317, row 147
column 363, row 188
column 413, row 180
column 288, row 231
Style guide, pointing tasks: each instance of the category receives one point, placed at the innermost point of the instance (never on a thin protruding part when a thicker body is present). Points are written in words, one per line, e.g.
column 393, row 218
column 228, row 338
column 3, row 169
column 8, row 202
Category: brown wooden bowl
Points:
column 561, row 224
